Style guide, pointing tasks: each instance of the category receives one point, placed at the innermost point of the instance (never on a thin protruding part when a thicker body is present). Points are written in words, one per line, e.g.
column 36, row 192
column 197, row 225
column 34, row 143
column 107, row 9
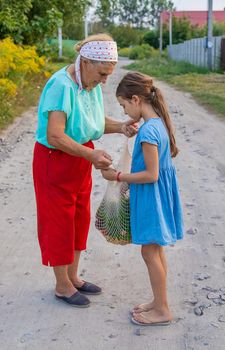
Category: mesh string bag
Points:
column 113, row 214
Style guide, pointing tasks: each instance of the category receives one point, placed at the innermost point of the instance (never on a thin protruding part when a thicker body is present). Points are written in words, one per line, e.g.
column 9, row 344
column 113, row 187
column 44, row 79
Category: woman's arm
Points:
column 128, row 128
column 151, row 173
column 112, row 126
column 56, row 137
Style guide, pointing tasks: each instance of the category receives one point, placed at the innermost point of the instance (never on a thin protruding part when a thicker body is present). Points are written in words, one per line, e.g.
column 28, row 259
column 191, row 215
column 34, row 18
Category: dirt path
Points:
column 32, row 319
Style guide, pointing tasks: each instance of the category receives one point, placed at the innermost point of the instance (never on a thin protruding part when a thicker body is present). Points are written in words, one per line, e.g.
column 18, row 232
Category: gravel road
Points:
column 30, row 316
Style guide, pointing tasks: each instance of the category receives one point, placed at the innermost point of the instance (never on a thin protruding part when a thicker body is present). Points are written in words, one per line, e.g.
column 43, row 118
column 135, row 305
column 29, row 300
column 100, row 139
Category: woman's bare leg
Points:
column 64, row 287
column 73, row 270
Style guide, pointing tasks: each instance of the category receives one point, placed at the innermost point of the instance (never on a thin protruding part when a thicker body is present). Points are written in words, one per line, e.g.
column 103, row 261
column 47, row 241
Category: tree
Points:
column 42, row 26
column 137, row 13
column 134, row 12
column 125, row 36
column 152, row 38
column 13, row 18
column 70, row 13
column 107, row 10
column 158, row 6
column 182, row 30
column 31, row 21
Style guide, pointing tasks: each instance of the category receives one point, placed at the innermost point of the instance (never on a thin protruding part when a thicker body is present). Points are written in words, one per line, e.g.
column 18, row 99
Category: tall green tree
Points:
column 107, row 11
column 13, row 18
column 158, row 6
column 42, row 25
column 30, row 21
column 47, row 15
column 134, row 12
column 182, row 30
column 73, row 25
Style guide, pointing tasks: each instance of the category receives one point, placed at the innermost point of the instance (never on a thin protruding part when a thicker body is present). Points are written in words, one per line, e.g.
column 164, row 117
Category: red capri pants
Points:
column 62, row 187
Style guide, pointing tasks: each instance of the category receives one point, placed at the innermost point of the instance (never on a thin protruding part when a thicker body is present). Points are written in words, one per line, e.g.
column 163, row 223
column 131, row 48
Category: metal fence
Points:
column 194, row 51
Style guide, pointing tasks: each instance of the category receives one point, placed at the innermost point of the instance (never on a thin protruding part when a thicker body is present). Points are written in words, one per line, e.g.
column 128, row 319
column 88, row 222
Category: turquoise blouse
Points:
column 84, row 110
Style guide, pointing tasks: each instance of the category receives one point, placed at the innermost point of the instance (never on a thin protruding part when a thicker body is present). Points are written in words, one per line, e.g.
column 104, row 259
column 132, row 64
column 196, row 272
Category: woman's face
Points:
column 95, row 73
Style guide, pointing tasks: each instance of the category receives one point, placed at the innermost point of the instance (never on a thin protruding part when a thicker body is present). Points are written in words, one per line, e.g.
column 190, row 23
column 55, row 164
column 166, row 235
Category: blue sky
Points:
column 195, row 5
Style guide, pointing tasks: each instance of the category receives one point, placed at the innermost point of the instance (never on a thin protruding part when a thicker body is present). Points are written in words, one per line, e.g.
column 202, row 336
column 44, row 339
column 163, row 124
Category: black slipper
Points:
column 76, row 300
column 89, row 288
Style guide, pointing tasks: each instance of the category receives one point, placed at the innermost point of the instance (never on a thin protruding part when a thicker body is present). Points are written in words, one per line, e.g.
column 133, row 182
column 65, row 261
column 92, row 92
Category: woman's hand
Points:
column 129, row 128
column 109, row 174
column 100, row 159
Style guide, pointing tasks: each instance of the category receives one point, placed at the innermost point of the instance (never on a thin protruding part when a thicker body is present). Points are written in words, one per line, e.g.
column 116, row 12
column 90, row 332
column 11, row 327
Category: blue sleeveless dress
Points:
column 155, row 208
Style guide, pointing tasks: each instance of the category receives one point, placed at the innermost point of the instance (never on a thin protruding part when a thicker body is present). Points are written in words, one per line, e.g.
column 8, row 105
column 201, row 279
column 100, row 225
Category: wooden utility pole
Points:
column 60, row 42
column 171, row 29
column 210, row 34
column 87, row 16
column 86, row 24
column 160, row 34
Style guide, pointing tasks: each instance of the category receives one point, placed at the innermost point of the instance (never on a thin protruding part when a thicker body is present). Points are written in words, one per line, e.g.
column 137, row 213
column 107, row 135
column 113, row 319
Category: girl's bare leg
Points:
column 160, row 311
column 148, row 306
column 163, row 259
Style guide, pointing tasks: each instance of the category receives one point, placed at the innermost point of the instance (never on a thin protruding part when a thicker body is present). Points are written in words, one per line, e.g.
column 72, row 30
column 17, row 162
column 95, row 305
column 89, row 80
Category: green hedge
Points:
column 139, row 52
column 68, row 51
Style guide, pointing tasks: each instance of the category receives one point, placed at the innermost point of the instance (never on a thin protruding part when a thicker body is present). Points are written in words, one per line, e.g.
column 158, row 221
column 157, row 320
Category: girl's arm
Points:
column 149, row 175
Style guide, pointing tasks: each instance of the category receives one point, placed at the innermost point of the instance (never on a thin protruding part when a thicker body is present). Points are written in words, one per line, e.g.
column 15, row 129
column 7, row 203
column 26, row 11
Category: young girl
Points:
column 156, row 214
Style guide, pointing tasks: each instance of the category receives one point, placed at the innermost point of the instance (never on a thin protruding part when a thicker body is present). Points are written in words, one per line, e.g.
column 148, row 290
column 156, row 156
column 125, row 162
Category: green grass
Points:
column 208, row 88
column 163, row 67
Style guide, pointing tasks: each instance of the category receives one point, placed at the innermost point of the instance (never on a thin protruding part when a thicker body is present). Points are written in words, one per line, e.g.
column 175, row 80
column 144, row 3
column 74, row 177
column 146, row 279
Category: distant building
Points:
column 198, row 18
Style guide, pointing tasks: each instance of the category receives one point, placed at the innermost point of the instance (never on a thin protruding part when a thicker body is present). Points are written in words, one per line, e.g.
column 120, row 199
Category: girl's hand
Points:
column 129, row 128
column 109, row 174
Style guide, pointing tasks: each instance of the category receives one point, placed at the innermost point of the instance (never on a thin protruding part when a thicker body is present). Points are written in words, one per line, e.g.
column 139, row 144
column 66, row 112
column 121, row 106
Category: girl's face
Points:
column 131, row 107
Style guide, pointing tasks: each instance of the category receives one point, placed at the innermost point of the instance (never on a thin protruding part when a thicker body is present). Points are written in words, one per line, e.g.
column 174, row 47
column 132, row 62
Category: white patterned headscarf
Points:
column 103, row 51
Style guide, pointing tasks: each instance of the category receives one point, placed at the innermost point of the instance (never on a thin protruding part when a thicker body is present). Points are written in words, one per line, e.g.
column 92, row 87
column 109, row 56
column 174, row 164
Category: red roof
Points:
column 196, row 17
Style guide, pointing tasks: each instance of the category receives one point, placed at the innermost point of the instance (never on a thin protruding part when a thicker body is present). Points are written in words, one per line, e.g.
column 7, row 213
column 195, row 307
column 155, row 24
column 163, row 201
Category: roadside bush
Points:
column 18, row 66
column 125, row 52
column 218, row 28
column 7, row 88
column 125, row 36
column 152, row 38
column 17, row 61
column 139, row 52
column 143, row 51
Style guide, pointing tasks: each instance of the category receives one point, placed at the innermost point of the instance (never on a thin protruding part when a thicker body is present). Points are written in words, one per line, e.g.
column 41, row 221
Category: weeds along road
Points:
column 30, row 316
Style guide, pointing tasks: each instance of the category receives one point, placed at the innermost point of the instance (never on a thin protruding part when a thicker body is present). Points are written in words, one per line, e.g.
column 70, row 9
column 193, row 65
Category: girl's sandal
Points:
column 163, row 323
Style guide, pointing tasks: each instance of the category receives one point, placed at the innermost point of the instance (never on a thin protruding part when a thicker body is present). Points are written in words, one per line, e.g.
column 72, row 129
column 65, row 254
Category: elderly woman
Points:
column 70, row 117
